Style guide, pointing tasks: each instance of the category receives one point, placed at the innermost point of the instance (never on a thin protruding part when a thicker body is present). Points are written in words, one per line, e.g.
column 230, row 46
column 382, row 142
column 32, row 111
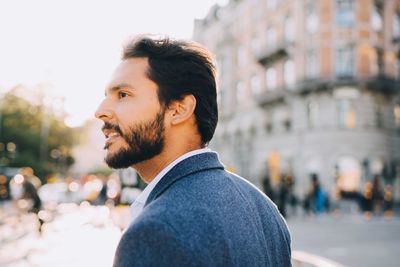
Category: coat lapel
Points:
column 196, row 163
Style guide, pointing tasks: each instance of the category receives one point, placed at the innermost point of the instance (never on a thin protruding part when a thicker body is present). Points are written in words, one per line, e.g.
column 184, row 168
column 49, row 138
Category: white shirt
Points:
column 138, row 204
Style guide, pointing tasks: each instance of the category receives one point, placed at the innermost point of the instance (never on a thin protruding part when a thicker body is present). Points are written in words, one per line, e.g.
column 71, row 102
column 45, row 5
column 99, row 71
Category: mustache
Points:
column 110, row 126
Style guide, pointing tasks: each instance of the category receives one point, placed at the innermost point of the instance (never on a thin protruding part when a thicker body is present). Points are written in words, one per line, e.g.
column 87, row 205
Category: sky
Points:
column 72, row 47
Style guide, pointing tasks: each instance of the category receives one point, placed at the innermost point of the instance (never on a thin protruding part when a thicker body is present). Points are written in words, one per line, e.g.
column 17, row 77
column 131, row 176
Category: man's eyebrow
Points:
column 118, row 87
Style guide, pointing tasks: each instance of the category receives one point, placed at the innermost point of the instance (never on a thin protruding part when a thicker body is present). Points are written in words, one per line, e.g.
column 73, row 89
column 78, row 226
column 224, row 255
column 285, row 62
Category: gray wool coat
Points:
column 201, row 215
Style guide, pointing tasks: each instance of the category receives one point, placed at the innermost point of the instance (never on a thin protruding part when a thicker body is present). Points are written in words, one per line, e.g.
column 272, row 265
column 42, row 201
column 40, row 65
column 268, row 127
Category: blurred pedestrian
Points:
column 316, row 199
column 388, row 201
column 367, row 203
column 286, row 196
column 103, row 193
column 283, row 197
column 102, row 196
column 29, row 175
column 267, row 188
column 320, row 196
column 30, row 194
column 377, row 194
column 307, row 202
column 159, row 113
column 292, row 198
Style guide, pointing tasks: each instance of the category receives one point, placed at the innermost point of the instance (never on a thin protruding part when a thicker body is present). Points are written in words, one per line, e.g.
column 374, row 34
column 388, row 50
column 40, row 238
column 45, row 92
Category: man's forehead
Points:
column 128, row 69
column 141, row 63
column 128, row 73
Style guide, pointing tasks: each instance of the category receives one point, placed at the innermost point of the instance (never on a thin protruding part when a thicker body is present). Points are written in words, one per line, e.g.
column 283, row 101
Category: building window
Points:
column 271, row 4
column 345, row 13
column 255, row 84
column 268, row 127
column 376, row 18
column 349, row 174
column 241, row 55
column 312, row 20
column 378, row 116
column 397, row 68
column 271, row 38
column 287, row 124
column 255, row 45
column 312, row 114
column 241, row 94
column 346, row 114
column 379, row 66
column 259, row 12
column 396, row 26
column 271, row 78
column 312, row 66
column 289, row 31
column 344, row 61
column 396, row 113
column 289, row 73
column 286, row 121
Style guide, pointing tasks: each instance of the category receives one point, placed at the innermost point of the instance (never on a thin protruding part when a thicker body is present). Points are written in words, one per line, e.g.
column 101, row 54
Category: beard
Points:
column 145, row 141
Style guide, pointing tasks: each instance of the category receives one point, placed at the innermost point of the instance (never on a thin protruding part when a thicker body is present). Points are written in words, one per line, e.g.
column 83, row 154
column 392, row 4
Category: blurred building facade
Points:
column 89, row 154
column 308, row 86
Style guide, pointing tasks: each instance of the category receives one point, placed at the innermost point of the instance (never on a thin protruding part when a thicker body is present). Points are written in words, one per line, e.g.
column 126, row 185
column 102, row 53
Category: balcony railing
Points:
column 374, row 83
column 269, row 54
column 271, row 96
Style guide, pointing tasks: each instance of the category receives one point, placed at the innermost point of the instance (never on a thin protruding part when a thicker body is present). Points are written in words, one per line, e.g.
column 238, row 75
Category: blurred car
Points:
column 61, row 192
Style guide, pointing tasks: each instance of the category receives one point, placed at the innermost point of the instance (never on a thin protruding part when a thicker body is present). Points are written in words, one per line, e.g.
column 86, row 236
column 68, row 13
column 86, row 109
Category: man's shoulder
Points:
column 207, row 215
column 188, row 201
column 148, row 223
column 215, row 183
column 152, row 242
column 205, row 194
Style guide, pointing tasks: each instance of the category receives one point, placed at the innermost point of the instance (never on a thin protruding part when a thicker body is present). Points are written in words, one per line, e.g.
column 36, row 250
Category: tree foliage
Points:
column 32, row 135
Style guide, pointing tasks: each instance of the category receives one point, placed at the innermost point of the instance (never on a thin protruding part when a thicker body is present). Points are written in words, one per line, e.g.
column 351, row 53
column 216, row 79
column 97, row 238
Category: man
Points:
column 159, row 114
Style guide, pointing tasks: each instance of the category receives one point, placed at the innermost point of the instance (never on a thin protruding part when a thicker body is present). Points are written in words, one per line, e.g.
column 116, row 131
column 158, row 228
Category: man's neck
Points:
column 149, row 169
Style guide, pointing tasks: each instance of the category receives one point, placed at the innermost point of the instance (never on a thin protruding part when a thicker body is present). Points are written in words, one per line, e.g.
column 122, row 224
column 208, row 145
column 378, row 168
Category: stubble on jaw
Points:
column 145, row 141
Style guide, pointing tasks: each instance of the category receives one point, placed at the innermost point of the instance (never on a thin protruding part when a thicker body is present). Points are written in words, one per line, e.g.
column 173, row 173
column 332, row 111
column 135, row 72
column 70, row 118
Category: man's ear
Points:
column 182, row 110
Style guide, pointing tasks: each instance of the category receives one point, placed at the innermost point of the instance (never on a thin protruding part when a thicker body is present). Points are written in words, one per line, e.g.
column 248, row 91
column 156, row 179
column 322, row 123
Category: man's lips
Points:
column 111, row 132
column 112, row 135
column 110, row 138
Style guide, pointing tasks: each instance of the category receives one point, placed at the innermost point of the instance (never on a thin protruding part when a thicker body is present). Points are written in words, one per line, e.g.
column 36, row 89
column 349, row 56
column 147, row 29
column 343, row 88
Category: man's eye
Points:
column 122, row 94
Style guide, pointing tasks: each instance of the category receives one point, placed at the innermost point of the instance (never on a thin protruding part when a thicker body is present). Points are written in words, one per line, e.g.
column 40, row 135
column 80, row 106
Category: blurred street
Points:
column 78, row 236
column 86, row 235
column 348, row 239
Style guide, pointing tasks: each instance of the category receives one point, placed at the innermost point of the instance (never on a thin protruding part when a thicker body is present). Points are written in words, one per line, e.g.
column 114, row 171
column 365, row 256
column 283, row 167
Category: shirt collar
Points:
column 142, row 198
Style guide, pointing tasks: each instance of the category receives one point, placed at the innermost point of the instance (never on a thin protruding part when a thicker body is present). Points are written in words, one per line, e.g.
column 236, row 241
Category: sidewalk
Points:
column 78, row 236
column 348, row 239
column 87, row 235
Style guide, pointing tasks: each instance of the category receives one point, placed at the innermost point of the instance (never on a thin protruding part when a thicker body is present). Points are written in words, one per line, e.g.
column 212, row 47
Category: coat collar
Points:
column 196, row 163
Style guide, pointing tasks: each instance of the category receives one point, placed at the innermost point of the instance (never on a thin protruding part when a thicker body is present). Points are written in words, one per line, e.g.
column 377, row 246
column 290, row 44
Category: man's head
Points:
column 156, row 80
column 181, row 68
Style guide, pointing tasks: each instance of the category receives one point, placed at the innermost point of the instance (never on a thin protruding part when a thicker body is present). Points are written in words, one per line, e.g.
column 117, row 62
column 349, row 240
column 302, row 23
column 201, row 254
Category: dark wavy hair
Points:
column 181, row 68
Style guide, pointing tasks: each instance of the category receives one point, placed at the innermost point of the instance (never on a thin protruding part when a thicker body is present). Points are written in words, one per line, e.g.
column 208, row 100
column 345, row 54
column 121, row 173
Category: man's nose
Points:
column 104, row 111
